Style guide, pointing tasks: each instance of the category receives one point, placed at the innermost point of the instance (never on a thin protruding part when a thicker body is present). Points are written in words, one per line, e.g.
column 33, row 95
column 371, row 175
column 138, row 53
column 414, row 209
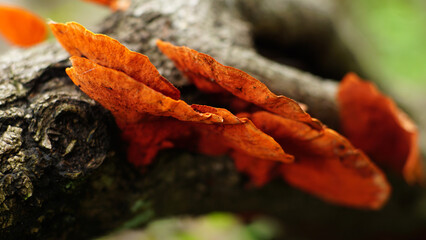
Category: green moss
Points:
column 70, row 186
column 221, row 220
column 138, row 220
column 139, row 205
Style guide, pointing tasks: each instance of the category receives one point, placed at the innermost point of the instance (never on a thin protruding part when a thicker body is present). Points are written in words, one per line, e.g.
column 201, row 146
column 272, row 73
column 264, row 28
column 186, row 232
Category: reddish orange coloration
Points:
column 372, row 122
column 138, row 110
column 327, row 166
column 211, row 76
column 129, row 86
column 20, row 27
column 113, row 4
column 261, row 171
column 127, row 99
column 108, row 52
column 152, row 118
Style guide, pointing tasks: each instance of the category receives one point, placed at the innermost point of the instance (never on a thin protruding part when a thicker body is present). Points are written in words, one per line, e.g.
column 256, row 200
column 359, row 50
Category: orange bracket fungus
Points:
column 373, row 123
column 110, row 53
column 21, row 27
column 113, row 4
column 126, row 86
column 153, row 121
column 204, row 71
column 326, row 164
column 148, row 111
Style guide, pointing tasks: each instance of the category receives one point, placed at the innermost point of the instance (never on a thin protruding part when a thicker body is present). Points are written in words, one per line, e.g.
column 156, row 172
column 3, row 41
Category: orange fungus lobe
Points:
column 327, row 166
column 372, row 122
column 109, row 53
column 21, row 27
column 210, row 75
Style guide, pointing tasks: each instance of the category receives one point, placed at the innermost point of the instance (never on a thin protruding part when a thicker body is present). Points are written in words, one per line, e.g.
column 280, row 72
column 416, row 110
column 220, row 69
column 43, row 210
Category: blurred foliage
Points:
column 212, row 226
column 396, row 34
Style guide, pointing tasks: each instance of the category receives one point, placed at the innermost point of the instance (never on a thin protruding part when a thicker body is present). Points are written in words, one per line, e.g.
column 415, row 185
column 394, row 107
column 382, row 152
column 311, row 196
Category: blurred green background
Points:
column 392, row 44
column 397, row 34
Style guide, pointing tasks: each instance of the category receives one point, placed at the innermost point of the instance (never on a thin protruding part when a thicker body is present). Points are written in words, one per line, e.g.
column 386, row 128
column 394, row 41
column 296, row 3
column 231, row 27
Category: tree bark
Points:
column 63, row 171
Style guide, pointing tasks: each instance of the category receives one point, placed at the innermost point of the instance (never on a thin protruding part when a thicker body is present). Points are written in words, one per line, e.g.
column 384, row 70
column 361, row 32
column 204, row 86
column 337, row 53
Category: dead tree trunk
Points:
column 63, row 172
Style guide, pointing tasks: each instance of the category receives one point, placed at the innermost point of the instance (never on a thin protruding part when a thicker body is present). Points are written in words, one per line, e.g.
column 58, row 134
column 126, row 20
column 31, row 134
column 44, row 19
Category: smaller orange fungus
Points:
column 21, row 27
column 113, row 4
column 372, row 122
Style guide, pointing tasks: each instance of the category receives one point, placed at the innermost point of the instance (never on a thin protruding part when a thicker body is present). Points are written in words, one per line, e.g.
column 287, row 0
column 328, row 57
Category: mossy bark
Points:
column 63, row 172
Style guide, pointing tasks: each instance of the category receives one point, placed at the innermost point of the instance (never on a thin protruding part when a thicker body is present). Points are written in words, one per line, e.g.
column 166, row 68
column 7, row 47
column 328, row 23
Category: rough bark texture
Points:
column 51, row 134
column 63, row 173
